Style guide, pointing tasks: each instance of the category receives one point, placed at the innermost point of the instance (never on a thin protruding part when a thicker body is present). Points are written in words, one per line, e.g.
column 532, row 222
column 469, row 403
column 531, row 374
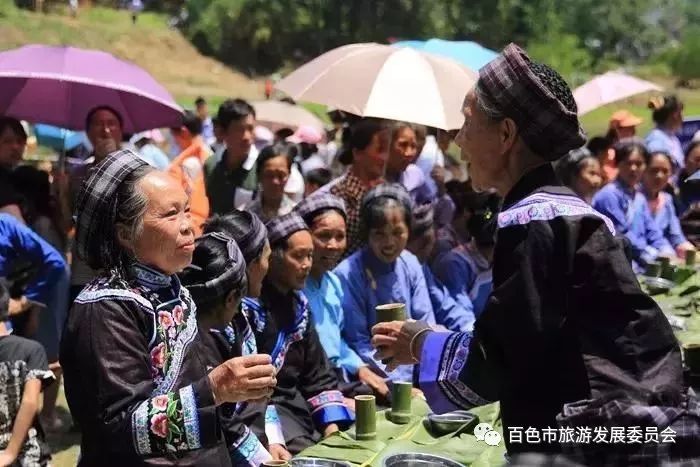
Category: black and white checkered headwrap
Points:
column 96, row 207
column 253, row 242
column 388, row 190
column 310, row 206
column 423, row 219
column 233, row 277
column 280, row 228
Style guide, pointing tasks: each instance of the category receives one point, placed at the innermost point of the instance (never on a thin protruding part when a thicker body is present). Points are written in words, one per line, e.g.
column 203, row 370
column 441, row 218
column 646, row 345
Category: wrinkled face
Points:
column 589, row 179
column 657, row 173
column 329, row 236
column 388, row 241
column 373, row 158
column 631, row 169
column 257, row 270
column 692, row 162
column 293, row 268
column 104, row 125
column 422, row 245
column 239, row 136
column 274, row 176
column 481, row 147
column 166, row 241
column 403, row 150
column 11, row 148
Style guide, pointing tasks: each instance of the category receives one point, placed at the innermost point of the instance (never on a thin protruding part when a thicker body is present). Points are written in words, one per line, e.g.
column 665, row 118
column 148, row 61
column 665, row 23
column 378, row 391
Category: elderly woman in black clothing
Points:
column 567, row 338
column 134, row 381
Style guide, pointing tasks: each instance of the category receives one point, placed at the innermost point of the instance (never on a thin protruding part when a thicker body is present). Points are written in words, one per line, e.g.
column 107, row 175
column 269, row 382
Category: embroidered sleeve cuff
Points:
column 273, row 427
column 248, row 450
column 443, row 358
column 176, row 421
column 329, row 407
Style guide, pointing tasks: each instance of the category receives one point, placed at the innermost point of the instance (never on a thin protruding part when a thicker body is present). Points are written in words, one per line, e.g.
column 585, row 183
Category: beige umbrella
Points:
column 608, row 88
column 374, row 80
column 277, row 114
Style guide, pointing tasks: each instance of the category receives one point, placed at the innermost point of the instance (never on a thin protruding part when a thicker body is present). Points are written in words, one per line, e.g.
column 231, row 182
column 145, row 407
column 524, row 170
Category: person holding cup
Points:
column 383, row 272
column 567, row 338
column 135, row 381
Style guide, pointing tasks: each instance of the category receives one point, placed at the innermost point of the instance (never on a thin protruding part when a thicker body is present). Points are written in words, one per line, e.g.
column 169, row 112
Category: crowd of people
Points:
column 216, row 306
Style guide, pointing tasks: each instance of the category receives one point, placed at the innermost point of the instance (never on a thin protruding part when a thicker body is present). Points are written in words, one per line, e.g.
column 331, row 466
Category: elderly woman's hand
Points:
column 399, row 342
column 246, row 378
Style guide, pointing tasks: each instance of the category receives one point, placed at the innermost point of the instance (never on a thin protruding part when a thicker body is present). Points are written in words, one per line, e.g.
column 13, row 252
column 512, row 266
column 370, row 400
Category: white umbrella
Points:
column 374, row 80
column 608, row 88
column 277, row 114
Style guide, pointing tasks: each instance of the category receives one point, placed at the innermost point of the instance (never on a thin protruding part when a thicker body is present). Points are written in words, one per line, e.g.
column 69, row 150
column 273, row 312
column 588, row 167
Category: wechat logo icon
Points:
column 485, row 432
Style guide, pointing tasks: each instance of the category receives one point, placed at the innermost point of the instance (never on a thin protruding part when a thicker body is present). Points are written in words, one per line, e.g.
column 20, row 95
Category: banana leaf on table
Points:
column 413, row 437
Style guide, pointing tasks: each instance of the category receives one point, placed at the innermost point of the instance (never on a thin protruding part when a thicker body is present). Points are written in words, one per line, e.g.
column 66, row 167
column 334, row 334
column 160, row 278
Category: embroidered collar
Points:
column 528, row 183
column 150, row 277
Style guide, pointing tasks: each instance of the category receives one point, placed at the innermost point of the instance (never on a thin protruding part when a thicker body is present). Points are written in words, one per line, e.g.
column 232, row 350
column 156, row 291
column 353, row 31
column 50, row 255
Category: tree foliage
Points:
column 262, row 36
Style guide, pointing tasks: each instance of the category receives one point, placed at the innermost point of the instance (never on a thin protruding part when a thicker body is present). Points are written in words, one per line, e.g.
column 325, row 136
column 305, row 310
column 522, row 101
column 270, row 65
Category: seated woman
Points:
column 466, row 271
column 623, row 203
column 134, row 379
column 251, row 236
column 274, row 165
column 655, row 180
column 306, row 398
column 217, row 282
column 325, row 215
column 448, row 313
column 382, row 272
column 580, row 170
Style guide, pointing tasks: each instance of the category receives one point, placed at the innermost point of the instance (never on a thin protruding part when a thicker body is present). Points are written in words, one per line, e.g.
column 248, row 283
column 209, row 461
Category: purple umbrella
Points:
column 60, row 85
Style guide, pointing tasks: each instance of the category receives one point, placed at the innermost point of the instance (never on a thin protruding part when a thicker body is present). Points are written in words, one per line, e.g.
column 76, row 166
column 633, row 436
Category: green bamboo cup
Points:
column 653, row 269
column 366, row 418
column 272, row 463
column 690, row 257
column 391, row 312
column 401, row 402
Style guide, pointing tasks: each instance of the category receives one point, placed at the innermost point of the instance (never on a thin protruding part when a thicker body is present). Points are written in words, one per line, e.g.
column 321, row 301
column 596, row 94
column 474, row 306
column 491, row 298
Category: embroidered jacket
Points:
column 566, row 320
column 306, row 398
column 134, row 381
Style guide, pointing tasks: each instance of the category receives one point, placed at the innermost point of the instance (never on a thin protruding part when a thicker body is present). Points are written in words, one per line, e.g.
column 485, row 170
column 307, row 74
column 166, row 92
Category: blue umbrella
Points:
column 468, row 53
column 57, row 138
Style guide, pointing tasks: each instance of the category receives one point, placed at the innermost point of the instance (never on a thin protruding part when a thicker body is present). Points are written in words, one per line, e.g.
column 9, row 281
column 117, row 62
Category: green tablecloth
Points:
column 413, row 437
column 681, row 304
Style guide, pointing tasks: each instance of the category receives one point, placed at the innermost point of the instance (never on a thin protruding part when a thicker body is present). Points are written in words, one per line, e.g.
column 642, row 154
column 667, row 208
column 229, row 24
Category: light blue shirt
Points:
column 454, row 316
column 368, row 282
column 467, row 276
column 629, row 212
column 667, row 221
column 326, row 303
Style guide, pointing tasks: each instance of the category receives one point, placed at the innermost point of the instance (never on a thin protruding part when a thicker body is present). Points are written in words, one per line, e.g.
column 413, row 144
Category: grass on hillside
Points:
column 150, row 43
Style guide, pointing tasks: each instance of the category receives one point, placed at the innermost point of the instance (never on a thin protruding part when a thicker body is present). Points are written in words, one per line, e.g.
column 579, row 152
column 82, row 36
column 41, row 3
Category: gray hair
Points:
column 486, row 105
column 132, row 203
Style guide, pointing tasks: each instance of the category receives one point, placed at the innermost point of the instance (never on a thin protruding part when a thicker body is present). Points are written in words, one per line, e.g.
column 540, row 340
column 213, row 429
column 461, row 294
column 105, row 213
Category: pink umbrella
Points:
column 60, row 85
column 608, row 88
